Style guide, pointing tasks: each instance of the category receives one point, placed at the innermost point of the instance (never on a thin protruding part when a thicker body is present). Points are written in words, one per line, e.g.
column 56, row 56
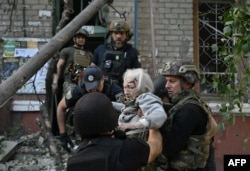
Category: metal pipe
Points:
column 136, row 23
column 152, row 38
column 24, row 19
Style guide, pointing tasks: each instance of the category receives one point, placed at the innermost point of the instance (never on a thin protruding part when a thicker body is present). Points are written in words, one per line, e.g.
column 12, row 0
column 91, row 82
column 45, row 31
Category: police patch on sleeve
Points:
column 68, row 95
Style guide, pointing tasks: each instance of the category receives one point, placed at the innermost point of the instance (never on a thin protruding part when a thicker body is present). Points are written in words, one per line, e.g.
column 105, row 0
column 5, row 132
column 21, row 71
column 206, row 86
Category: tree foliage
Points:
column 236, row 57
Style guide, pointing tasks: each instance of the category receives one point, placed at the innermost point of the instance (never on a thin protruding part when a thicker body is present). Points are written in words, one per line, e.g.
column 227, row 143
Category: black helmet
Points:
column 94, row 114
column 184, row 69
column 160, row 86
column 82, row 32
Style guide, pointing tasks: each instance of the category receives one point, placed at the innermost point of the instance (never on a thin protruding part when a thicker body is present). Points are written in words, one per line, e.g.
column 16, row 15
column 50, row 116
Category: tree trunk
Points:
column 9, row 87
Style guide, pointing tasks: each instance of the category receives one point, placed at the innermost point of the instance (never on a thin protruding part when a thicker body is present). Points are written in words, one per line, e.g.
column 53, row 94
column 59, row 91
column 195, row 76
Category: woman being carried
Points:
column 141, row 109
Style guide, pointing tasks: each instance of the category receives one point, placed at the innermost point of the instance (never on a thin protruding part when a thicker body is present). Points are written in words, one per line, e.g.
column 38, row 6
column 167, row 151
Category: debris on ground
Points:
column 31, row 153
column 40, row 151
column 8, row 149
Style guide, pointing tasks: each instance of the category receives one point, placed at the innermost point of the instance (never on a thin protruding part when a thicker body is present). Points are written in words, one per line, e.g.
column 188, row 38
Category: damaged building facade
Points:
column 163, row 30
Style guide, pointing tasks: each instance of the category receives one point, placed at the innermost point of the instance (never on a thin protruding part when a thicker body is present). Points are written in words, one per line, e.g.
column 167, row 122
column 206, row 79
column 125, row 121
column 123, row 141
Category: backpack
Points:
column 97, row 154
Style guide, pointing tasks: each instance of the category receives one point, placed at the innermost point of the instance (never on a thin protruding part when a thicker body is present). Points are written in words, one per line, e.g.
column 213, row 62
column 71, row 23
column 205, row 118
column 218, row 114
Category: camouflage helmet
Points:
column 82, row 32
column 184, row 69
column 119, row 25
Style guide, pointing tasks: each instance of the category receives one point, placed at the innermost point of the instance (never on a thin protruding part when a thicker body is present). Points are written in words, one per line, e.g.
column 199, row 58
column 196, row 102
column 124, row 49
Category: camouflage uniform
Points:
column 75, row 61
column 187, row 131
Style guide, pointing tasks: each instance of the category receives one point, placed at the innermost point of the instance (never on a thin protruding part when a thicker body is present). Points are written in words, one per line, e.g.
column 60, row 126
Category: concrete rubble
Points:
column 30, row 153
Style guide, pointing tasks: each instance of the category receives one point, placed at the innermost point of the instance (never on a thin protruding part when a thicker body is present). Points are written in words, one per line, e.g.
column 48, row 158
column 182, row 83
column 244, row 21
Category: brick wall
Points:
column 33, row 18
column 172, row 24
column 173, row 29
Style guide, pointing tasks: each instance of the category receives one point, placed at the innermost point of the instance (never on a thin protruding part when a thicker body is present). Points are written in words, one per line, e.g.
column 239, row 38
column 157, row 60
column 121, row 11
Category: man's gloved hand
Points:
column 54, row 87
column 65, row 140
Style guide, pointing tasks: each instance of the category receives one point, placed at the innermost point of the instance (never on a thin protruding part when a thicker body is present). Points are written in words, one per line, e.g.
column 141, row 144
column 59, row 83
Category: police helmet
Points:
column 94, row 114
column 184, row 69
column 82, row 32
column 119, row 25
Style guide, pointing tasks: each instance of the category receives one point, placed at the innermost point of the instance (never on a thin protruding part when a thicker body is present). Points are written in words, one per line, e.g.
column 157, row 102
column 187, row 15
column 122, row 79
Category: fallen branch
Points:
column 46, row 128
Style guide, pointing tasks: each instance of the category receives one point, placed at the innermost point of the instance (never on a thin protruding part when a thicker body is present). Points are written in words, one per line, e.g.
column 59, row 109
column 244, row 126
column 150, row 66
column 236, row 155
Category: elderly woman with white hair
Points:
column 142, row 110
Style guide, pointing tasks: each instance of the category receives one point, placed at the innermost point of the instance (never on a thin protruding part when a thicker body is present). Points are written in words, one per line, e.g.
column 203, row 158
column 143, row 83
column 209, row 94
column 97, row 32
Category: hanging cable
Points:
column 122, row 15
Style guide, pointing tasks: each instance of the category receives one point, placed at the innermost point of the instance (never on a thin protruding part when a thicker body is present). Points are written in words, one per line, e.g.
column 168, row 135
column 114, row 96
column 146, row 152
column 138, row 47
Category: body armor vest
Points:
column 197, row 151
column 113, row 65
column 81, row 59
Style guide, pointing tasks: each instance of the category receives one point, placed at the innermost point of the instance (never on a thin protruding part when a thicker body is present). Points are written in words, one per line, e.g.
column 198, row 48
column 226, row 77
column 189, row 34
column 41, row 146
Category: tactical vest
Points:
column 197, row 152
column 81, row 59
column 113, row 65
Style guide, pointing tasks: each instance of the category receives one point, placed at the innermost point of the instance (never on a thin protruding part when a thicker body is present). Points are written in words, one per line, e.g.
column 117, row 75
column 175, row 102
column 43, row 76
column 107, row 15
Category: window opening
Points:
column 211, row 32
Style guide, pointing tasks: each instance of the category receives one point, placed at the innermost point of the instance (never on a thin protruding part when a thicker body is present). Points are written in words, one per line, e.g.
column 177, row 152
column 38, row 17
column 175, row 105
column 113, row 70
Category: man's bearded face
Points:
column 119, row 38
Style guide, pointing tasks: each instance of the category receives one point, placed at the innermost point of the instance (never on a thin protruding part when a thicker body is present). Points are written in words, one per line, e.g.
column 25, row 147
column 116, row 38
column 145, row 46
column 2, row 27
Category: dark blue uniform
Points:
column 114, row 63
column 113, row 91
column 131, row 55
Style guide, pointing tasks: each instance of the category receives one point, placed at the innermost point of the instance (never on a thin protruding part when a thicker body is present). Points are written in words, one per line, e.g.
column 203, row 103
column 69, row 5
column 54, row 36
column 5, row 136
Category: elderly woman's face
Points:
column 129, row 88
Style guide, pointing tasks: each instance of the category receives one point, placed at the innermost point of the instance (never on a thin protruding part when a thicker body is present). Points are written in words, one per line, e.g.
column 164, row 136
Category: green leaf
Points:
column 232, row 120
column 220, row 126
column 223, row 50
column 214, row 48
column 245, row 48
column 203, row 79
column 225, row 116
column 227, row 30
column 223, row 108
column 215, row 84
column 229, row 22
column 222, row 87
column 237, row 102
column 230, row 106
